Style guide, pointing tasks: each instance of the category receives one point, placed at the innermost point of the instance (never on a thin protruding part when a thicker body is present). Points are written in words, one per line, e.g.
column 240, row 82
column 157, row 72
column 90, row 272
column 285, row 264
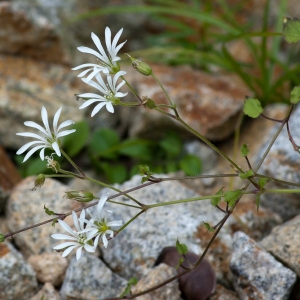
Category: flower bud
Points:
column 39, row 181
column 140, row 66
column 80, row 196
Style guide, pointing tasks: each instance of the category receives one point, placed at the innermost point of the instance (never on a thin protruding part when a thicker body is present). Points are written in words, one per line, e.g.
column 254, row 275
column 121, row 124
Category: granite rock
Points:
column 284, row 242
column 26, row 207
column 90, row 278
column 257, row 274
column 17, row 278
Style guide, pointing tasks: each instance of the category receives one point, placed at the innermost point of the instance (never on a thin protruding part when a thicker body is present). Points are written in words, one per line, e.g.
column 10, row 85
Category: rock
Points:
column 257, row 274
column 282, row 163
column 27, row 85
column 208, row 103
column 26, row 30
column 9, row 177
column 221, row 293
column 48, row 292
column 198, row 284
column 156, row 276
column 26, row 207
column 49, row 267
column 90, row 278
column 133, row 251
column 284, row 242
column 17, row 278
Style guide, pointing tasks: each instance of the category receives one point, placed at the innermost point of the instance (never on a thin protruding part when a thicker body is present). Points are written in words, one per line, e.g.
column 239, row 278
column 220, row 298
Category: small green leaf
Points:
column 180, row 261
column 2, row 237
column 244, row 150
column 131, row 281
column 232, row 196
column 48, row 211
column 181, row 248
column 252, row 107
column 74, row 143
column 295, row 95
column 208, row 227
column 263, row 181
column 291, row 29
column 246, row 175
column 54, row 222
column 191, row 165
column 215, row 201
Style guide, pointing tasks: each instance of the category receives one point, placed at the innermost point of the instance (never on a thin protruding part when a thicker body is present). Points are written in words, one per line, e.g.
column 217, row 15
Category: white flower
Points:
column 110, row 92
column 107, row 63
column 81, row 239
column 99, row 224
column 46, row 138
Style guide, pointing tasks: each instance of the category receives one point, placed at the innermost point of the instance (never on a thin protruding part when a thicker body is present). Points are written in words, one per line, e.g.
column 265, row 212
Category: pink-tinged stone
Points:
column 208, row 103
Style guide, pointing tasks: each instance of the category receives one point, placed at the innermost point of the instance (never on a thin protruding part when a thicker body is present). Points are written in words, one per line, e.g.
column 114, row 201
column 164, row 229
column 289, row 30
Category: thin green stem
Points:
column 163, row 89
column 72, row 162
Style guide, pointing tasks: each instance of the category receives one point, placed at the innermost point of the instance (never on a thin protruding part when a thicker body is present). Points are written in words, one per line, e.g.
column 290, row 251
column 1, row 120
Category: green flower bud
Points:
column 39, row 181
column 80, row 196
column 143, row 169
column 140, row 66
column 2, row 238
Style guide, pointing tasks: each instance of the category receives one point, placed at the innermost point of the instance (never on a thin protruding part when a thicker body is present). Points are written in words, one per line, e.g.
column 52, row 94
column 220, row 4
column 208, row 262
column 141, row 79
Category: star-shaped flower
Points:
column 99, row 224
column 107, row 62
column 110, row 92
column 81, row 239
column 46, row 138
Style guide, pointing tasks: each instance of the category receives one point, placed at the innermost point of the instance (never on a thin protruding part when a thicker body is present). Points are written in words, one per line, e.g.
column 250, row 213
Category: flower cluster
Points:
column 107, row 65
column 46, row 138
column 88, row 232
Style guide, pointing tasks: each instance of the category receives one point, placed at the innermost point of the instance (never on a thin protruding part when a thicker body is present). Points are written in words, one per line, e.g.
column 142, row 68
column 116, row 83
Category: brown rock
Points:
column 9, row 177
column 208, row 103
column 48, row 292
column 27, row 85
column 49, row 267
column 26, row 31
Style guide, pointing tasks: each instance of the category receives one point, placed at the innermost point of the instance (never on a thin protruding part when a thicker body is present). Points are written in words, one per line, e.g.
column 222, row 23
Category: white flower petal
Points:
column 60, row 236
column 66, row 227
column 68, row 251
column 55, row 147
column 98, row 107
column 28, row 145
column 31, row 152
column 78, row 253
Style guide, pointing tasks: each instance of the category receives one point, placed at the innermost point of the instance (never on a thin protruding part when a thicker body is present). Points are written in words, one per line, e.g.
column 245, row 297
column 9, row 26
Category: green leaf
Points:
column 295, row 95
column 136, row 148
column 246, row 175
column 54, row 222
column 215, row 201
column 115, row 173
column 291, row 30
column 244, row 150
column 180, row 261
column 232, row 196
column 263, row 181
column 104, row 143
column 208, row 227
column 252, row 107
column 181, row 248
column 191, row 165
column 74, row 144
column 131, row 281
column 171, row 144
column 2, row 237
column 48, row 211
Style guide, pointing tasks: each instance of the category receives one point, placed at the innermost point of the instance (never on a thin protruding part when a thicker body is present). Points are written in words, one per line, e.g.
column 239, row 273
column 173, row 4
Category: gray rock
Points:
column 26, row 207
column 284, row 243
column 257, row 274
column 134, row 251
column 89, row 278
column 156, row 276
column 282, row 163
column 17, row 278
